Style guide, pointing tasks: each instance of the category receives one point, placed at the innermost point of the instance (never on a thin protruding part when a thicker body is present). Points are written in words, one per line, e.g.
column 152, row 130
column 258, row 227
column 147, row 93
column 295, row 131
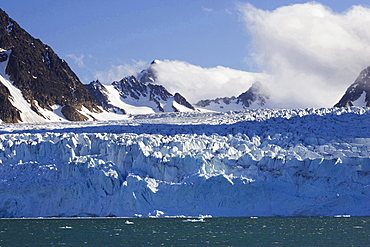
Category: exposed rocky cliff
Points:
column 358, row 93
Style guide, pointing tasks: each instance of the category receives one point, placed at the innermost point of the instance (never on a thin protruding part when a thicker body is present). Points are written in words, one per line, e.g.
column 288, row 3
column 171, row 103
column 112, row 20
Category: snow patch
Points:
column 130, row 107
column 9, row 28
column 361, row 101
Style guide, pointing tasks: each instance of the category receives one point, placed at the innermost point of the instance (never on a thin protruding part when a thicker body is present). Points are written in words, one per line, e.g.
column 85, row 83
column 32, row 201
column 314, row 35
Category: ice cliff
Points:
column 302, row 162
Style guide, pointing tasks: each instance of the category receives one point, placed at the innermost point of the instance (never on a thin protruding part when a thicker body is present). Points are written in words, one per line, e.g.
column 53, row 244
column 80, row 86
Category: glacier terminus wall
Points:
column 297, row 162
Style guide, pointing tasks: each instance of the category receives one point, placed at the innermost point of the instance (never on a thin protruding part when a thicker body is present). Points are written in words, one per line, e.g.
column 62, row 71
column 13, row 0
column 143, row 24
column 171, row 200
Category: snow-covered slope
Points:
column 247, row 163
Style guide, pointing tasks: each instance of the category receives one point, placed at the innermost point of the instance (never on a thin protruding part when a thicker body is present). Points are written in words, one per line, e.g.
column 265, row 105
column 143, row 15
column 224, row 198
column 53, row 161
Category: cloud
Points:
column 118, row 72
column 196, row 83
column 77, row 59
column 207, row 10
column 312, row 53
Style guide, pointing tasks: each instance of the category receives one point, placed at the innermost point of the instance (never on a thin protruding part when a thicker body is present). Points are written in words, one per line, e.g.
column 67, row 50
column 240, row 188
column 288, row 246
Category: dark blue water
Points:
column 284, row 231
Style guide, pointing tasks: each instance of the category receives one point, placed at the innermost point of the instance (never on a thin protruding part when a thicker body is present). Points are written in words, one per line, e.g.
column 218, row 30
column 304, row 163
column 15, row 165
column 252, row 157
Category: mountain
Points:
column 358, row 93
column 36, row 85
column 133, row 96
column 265, row 162
column 255, row 97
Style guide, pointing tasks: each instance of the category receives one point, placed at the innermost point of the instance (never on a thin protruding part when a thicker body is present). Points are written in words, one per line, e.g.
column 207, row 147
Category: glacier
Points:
column 265, row 162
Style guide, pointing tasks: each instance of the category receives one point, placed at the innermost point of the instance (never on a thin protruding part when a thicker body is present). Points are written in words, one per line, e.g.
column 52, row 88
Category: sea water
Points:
column 265, row 231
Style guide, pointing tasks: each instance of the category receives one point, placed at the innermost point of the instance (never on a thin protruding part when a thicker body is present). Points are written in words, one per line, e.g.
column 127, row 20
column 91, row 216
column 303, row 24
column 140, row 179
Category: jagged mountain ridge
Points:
column 256, row 96
column 43, row 78
column 100, row 94
column 131, row 92
column 358, row 93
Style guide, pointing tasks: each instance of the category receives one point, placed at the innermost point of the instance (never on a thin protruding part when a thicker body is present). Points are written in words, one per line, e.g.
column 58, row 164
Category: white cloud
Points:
column 116, row 73
column 196, row 83
column 77, row 59
column 207, row 10
column 312, row 53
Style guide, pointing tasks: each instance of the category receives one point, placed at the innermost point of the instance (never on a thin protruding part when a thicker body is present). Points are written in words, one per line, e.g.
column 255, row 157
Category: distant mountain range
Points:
column 255, row 97
column 143, row 95
column 37, row 86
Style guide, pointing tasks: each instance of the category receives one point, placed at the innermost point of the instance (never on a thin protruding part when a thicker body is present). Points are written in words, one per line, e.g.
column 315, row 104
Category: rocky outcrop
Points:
column 182, row 101
column 100, row 93
column 207, row 102
column 148, row 75
column 71, row 113
column 256, row 94
column 8, row 113
column 358, row 93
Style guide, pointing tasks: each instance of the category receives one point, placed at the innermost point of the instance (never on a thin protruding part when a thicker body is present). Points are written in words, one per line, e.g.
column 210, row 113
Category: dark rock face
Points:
column 355, row 90
column 256, row 94
column 207, row 102
column 8, row 113
column 148, row 75
column 100, row 94
column 72, row 114
column 131, row 87
column 182, row 101
column 39, row 73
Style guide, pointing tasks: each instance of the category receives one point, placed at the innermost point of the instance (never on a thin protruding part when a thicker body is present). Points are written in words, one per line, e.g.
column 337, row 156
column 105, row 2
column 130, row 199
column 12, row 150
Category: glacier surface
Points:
column 296, row 162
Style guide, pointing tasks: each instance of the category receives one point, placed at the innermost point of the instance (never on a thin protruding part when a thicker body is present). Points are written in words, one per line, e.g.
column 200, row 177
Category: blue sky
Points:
column 323, row 43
